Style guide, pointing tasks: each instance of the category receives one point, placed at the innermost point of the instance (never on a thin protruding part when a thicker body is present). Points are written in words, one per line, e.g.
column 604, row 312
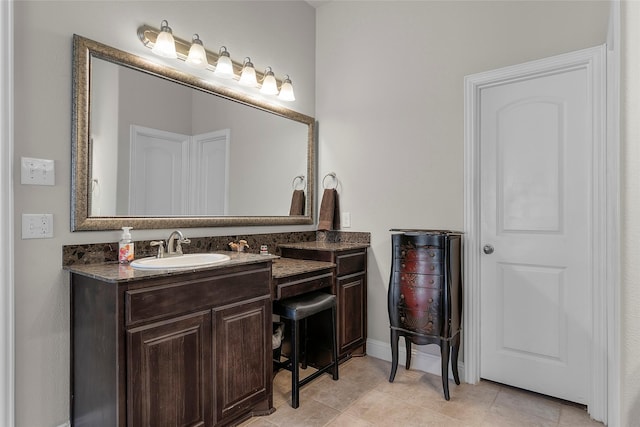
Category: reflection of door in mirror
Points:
column 267, row 152
column 158, row 172
column 175, row 174
column 169, row 174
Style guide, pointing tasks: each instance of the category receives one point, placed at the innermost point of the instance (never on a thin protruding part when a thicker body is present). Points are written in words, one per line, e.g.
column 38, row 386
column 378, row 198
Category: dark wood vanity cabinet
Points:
column 170, row 355
column 191, row 349
column 351, row 297
column 243, row 380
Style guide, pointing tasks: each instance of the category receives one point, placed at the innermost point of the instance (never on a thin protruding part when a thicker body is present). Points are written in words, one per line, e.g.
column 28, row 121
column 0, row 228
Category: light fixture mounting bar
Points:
column 148, row 36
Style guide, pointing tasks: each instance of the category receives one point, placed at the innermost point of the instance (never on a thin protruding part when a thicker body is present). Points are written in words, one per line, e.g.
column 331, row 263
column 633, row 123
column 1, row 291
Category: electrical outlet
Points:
column 345, row 221
column 37, row 171
column 37, row 226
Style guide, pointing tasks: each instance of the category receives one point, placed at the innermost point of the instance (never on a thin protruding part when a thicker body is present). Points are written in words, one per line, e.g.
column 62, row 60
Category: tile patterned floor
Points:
column 363, row 397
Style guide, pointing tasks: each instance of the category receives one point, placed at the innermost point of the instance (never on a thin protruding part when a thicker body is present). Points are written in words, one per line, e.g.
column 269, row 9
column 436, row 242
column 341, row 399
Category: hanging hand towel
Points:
column 297, row 203
column 329, row 218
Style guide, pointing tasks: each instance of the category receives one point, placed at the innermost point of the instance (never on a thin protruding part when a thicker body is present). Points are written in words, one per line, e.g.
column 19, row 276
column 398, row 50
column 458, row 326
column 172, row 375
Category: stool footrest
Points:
column 316, row 375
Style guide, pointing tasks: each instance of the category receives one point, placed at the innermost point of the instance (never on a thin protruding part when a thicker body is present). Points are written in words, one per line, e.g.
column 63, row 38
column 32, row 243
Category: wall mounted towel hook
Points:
column 335, row 181
column 298, row 183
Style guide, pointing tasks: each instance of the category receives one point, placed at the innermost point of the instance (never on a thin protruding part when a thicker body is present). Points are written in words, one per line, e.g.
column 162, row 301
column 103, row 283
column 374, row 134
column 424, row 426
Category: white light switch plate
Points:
column 37, row 171
column 37, row 226
column 345, row 221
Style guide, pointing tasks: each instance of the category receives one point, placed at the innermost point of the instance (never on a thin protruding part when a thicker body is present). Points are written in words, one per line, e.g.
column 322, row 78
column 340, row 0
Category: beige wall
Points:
column 630, row 214
column 279, row 34
column 390, row 104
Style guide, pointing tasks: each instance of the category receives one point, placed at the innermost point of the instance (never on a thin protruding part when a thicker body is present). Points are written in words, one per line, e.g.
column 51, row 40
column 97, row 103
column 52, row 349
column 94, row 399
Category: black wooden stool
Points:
column 300, row 308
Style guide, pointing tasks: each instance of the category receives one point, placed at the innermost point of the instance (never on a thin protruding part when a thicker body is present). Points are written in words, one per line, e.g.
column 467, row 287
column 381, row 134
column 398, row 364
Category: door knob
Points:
column 488, row 249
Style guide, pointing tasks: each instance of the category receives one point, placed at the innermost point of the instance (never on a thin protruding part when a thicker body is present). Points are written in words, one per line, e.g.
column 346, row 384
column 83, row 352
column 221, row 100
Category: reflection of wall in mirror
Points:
column 267, row 151
column 174, row 174
column 129, row 99
column 151, row 102
column 104, row 126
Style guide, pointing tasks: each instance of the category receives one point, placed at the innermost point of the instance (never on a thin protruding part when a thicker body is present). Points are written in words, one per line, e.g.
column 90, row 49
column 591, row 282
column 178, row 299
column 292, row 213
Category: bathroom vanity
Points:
column 193, row 346
column 171, row 347
column 350, row 290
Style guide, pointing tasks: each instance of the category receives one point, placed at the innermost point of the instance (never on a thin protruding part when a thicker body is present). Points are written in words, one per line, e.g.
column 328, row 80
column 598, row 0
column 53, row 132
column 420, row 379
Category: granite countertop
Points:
column 326, row 246
column 114, row 272
column 285, row 267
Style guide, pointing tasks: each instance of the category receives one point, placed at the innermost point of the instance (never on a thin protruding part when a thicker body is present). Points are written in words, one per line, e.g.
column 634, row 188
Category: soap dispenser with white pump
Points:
column 125, row 247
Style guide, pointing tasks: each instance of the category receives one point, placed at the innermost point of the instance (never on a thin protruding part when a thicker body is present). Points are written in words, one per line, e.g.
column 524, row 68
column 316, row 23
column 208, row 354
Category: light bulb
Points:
column 248, row 76
column 197, row 55
column 286, row 90
column 224, row 66
column 165, row 46
column 269, row 84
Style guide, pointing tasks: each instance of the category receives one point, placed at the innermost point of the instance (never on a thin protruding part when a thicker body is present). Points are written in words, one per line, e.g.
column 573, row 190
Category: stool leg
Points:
column 335, row 343
column 303, row 347
column 295, row 374
column 407, row 345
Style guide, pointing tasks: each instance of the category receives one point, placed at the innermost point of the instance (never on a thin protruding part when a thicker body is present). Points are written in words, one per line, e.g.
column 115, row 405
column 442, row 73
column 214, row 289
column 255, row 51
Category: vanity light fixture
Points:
column 197, row 55
column 224, row 66
column 248, row 75
column 269, row 84
column 193, row 53
column 286, row 90
column 165, row 45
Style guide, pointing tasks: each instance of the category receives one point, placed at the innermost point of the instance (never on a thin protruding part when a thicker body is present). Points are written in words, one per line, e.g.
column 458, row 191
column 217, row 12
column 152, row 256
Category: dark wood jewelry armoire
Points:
column 425, row 295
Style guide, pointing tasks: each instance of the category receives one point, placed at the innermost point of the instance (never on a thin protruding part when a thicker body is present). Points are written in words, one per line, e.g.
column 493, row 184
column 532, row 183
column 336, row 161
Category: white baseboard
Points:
column 420, row 360
column 67, row 424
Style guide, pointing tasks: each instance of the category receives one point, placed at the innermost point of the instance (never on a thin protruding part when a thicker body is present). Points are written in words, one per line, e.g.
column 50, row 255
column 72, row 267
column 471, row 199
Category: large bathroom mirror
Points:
column 155, row 147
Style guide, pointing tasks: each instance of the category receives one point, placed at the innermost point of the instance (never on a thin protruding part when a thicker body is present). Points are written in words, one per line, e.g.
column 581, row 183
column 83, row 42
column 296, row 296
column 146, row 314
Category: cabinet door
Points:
column 242, row 337
column 352, row 315
column 169, row 367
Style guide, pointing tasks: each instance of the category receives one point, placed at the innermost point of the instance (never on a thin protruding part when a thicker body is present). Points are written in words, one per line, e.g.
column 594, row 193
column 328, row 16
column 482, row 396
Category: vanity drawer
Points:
column 300, row 286
column 185, row 296
column 351, row 263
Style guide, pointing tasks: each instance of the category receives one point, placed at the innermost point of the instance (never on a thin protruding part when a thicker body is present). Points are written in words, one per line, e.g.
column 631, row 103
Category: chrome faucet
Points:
column 174, row 244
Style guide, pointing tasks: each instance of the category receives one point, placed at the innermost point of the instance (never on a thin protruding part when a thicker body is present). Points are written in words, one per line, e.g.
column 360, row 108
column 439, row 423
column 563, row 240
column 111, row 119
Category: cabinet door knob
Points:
column 488, row 249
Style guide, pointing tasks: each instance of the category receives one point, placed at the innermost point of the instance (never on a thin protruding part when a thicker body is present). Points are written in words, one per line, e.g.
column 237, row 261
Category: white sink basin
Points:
column 182, row 261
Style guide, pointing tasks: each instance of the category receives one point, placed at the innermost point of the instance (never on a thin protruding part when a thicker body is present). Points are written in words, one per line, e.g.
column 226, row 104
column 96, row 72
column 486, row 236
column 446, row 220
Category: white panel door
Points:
column 535, row 149
column 210, row 173
column 159, row 172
